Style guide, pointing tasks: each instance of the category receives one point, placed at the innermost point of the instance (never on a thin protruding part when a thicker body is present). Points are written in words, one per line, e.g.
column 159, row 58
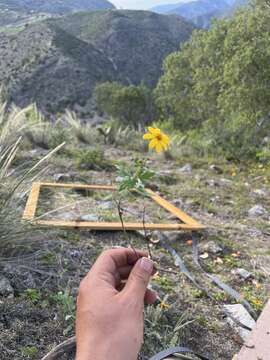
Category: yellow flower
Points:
column 164, row 306
column 158, row 140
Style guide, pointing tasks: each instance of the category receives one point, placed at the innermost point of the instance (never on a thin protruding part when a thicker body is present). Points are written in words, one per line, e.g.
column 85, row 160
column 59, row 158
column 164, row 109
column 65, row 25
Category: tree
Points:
column 131, row 105
column 220, row 82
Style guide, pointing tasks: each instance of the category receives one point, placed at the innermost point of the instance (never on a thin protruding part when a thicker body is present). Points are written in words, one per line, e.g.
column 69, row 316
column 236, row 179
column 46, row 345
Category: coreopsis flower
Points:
column 158, row 140
column 164, row 306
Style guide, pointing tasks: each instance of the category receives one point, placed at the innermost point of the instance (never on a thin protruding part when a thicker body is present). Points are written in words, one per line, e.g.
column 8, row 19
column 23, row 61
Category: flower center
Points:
column 159, row 137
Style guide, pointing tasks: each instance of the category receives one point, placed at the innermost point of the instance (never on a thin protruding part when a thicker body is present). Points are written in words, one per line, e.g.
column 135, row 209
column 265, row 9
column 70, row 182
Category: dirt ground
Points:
column 45, row 280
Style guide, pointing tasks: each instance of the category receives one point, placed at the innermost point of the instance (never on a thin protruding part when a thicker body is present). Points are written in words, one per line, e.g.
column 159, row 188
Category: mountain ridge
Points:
column 22, row 11
column 201, row 12
column 58, row 62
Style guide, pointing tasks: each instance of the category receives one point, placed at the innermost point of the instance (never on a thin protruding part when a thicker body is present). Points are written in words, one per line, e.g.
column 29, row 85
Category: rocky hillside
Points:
column 57, row 62
column 17, row 11
column 201, row 12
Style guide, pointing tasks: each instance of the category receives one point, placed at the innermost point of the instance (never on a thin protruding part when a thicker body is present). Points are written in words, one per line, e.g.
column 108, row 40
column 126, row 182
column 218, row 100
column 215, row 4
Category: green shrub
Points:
column 218, row 85
column 92, row 159
column 14, row 235
column 83, row 133
column 131, row 105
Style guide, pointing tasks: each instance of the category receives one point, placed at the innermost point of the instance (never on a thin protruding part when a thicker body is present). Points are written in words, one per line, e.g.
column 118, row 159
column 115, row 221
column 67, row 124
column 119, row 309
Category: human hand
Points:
column 109, row 320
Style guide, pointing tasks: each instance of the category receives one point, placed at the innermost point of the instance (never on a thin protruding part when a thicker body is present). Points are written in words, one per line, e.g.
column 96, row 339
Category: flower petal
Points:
column 153, row 143
column 154, row 131
column 158, row 147
column 165, row 145
column 148, row 136
column 165, row 138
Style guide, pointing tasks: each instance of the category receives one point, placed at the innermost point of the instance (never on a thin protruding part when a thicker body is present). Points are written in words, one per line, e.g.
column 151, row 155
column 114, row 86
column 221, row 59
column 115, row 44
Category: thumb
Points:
column 139, row 278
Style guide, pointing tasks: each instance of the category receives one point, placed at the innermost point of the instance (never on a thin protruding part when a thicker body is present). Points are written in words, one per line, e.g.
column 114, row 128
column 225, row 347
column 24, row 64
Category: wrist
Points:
column 94, row 349
column 103, row 348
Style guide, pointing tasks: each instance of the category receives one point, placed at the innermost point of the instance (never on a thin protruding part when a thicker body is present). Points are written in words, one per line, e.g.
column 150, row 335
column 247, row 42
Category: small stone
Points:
column 216, row 169
column 20, row 278
column 225, row 182
column 212, row 183
column 218, row 261
column 186, row 168
column 61, row 177
column 238, row 312
column 75, row 253
column 266, row 140
column 170, row 236
column 260, row 193
column 6, row 289
column 91, row 218
column 178, row 203
column 257, row 211
column 119, row 179
column 105, row 205
column 67, row 216
column 213, row 248
column 244, row 274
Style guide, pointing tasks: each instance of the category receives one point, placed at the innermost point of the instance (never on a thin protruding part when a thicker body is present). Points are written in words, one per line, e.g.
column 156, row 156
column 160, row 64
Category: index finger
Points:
column 111, row 260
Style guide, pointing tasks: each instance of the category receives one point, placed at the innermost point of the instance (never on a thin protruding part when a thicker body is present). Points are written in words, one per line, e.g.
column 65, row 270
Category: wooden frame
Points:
column 188, row 223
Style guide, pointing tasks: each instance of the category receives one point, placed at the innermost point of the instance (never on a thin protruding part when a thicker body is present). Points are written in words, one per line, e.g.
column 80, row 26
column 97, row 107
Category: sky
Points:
column 141, row 4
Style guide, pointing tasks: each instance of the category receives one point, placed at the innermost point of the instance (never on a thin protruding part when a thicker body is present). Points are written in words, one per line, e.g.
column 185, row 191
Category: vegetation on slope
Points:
column 40, row 309
column 58, row 62
column 136, row 42
column 216, row 89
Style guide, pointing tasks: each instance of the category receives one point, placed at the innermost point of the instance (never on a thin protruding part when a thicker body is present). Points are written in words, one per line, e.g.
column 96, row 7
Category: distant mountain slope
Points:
column 58, row 62
column 51, row 67
column 55, row 6
column 135, row 41
column 163, row 9
column 18, row 11
column 201, row 12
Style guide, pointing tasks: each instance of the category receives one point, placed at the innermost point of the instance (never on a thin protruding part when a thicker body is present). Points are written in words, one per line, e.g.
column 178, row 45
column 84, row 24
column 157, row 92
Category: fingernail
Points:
column 146, row 264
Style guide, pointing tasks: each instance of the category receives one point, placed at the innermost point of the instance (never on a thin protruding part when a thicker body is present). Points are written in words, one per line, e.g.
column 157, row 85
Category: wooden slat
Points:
column 115, row 225
column 174, row 210
column 257, row 345
column 79, row 186
column 188, row 222
column 31, row 205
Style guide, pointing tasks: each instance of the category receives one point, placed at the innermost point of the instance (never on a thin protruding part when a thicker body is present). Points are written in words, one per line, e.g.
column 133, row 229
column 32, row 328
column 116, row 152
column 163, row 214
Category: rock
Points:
column 67, row 216
column 186, row 168
column 204, row 256
column 225, row 182
column 93, row 218
column 20, row 278
column 178, row 203
column 212, row 248
column 238, row 312
column 244, row 274
column 75, row 253
column 171, row 236
column 61, row 177
column 106, row 205
column 266, row 140
column 6, row 289
column 260, row 193
column 216, row 169
column 212, row 183
column 119, row 179
column 257, row 211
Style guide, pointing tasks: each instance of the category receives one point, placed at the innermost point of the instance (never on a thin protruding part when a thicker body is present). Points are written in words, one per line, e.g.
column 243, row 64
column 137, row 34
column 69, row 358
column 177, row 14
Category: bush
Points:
column 92, row 160
column 14, row 235
column 218, row 84
column 131, row 105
